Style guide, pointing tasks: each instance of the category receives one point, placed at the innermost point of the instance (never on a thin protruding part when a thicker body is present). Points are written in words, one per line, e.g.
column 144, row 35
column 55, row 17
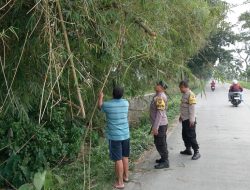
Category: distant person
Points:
column 159, row 123
column 188, row 120
column 117, row 132
column 235, row 87
column 213, row 83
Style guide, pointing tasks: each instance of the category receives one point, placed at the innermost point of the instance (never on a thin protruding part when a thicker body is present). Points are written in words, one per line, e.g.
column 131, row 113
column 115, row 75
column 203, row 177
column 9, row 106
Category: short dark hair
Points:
column 162, row 84
column 184, row 83
column 118, row 92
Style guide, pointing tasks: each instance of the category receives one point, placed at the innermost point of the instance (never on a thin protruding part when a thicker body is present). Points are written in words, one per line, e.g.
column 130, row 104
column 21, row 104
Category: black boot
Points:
column 186, row 152
column 162, row 165
column 159, row 161
column 196, row 155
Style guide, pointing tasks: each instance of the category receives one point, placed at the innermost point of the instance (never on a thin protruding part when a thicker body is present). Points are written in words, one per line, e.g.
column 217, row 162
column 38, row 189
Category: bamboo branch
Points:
column 71, row 59
column 138, row 21
column 10, row 7
column 4, row 75
column 5, row 5
column 51, row 91
column 47, row 72
column 66, row 100
column 15, row 73
column 10, row 184
column 145, row 27
column 121, row 37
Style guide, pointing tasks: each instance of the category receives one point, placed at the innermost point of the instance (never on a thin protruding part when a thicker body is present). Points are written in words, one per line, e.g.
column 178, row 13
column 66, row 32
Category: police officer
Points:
column 159, row 123
column 188, row 120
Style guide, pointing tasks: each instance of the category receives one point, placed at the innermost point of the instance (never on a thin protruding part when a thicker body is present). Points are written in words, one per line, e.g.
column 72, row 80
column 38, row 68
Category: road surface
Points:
column 223, row 133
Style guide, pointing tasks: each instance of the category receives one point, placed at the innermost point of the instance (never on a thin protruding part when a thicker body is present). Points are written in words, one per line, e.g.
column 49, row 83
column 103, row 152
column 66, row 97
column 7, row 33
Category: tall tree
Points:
column 214, row 52
column 244, row 37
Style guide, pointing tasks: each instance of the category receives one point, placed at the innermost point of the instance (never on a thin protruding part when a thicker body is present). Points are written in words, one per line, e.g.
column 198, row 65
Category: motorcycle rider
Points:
column 213, row 83
column 235, row 87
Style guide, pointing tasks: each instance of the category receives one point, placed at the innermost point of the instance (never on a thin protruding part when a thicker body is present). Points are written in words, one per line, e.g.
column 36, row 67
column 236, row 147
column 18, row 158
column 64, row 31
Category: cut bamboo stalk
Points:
column 145, row 27
column 71, row 58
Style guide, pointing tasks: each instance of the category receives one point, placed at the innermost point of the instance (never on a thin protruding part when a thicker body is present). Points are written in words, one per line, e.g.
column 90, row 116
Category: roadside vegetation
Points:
column 245, row 84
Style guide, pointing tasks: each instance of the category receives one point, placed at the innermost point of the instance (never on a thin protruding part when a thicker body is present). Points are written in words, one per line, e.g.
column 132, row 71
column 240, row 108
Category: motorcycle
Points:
column 213, row 88
column 236, row 98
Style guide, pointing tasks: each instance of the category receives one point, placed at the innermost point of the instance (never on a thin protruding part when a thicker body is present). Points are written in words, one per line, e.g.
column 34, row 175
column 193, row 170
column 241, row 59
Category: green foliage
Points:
column 103, row 35
column 245, row 18
column 45, row 180
column 247, row 74
column 244, row 50
column 140, row 139
column 202, row 64
column 245, row 84
column 56, row 140
column 26, row 186
column 39, row 180
column 173, row 107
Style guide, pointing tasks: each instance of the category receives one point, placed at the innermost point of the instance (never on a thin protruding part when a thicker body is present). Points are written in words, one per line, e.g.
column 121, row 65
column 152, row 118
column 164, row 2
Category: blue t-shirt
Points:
column 117, row 119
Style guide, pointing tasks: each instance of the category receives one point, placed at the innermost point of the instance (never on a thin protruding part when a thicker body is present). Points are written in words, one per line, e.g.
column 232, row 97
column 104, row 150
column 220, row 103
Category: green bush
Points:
column 245, row 84
column 55, row 140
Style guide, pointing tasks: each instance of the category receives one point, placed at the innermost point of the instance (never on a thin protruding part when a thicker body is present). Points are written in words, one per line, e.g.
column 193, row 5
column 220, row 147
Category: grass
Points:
column 102, row 171
column 245, row 84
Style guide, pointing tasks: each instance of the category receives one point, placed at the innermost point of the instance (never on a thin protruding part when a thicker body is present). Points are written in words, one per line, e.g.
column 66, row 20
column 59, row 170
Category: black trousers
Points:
column 189, row 136
column 160, row 141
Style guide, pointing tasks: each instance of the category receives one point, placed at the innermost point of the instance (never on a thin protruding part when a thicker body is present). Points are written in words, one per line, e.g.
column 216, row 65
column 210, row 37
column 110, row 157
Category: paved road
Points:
column 224, row 138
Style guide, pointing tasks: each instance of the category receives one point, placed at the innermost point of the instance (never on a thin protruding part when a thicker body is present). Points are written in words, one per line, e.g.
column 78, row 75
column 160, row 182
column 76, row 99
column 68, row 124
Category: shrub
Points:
column 58, row 139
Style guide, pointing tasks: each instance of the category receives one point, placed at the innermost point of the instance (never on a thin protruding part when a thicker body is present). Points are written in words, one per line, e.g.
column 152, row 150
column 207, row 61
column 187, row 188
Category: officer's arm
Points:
column 157, row 119
column 192, row 113
column 192, row 102
column 160, row 106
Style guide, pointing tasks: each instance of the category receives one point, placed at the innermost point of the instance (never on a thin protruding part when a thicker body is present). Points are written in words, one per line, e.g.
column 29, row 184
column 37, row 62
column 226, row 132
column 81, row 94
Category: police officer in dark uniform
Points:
column 159, row 123
column 187, row 118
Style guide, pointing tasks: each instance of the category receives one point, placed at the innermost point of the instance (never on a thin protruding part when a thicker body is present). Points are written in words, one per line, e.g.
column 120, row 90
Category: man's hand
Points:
column 101, row 95
column 155, row 131
column 180, row 119
column 192, row 124
column 100, row 100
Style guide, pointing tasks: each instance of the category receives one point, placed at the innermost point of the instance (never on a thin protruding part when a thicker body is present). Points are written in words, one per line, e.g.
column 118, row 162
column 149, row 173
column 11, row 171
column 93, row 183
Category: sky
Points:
column 235, row 12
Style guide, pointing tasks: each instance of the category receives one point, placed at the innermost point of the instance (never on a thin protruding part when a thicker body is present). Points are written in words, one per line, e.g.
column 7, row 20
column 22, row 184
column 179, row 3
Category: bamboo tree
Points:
column 71, row 59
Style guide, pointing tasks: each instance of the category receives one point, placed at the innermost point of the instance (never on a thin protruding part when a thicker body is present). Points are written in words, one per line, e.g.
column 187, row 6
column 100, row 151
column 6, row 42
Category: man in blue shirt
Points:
column 117, row 132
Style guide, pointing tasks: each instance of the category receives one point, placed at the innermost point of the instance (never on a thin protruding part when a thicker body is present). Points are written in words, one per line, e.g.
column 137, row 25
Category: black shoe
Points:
column 186, row 152
column 162, row 165
column 196, row 156
column 158, row 161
